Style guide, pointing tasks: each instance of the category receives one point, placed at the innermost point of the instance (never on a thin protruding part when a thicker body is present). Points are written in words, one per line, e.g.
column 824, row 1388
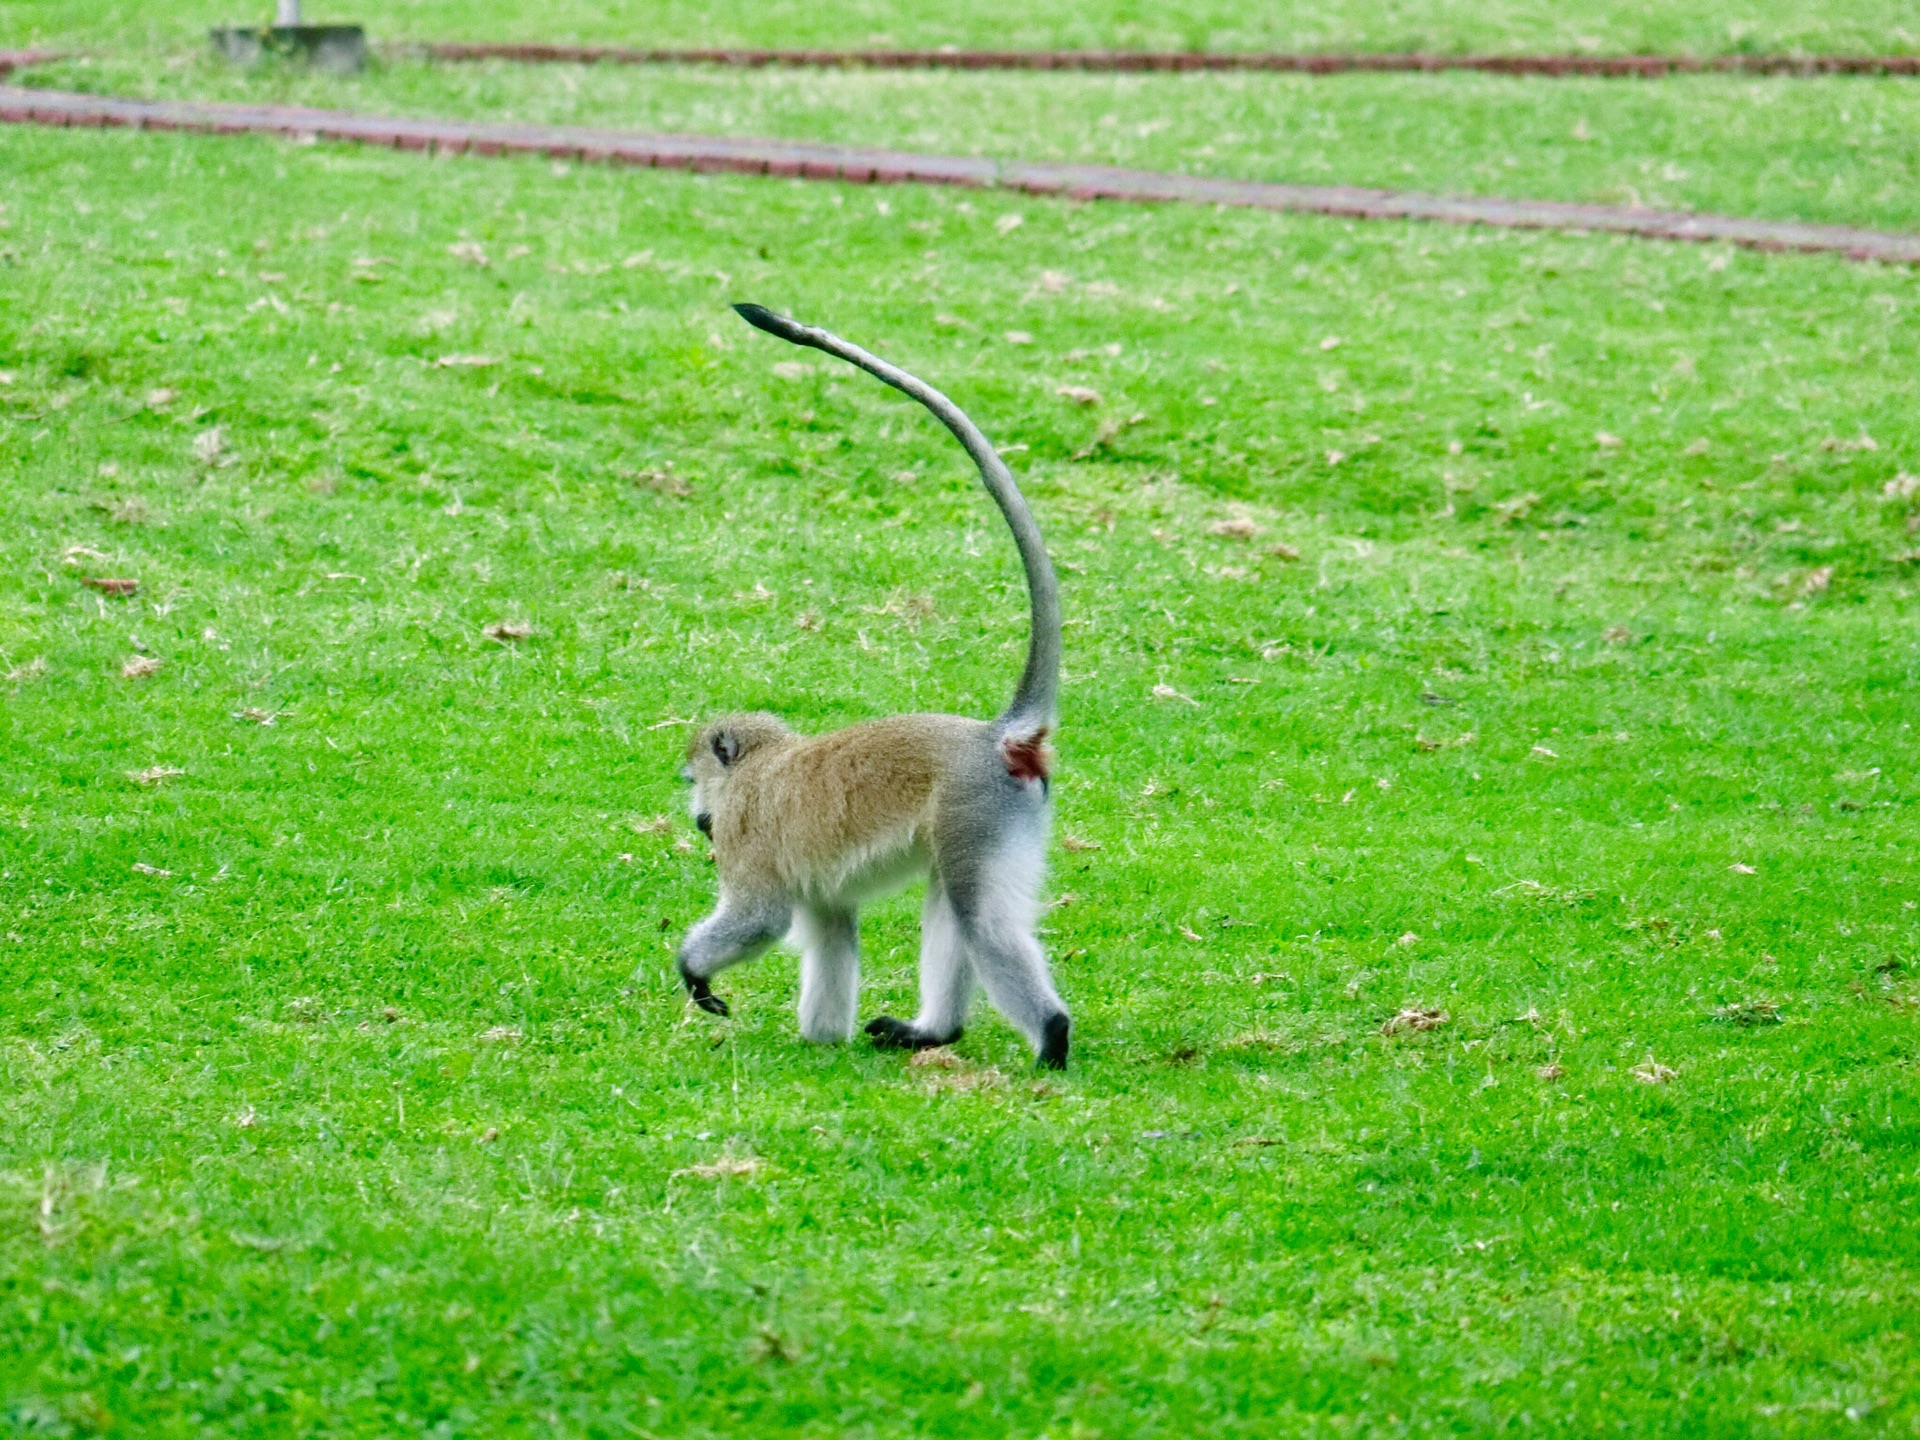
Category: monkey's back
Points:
column 856, row 800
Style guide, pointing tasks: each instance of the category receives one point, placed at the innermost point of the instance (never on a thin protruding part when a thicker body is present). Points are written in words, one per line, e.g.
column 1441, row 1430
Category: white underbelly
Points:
column 878, row 871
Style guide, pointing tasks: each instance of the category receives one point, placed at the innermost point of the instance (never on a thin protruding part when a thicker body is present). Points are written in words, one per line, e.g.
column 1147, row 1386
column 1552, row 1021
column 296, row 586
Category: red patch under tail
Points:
column 1027, row 756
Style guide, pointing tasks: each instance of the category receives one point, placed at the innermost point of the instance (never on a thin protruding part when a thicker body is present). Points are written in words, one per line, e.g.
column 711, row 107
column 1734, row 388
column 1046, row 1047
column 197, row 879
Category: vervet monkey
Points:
column 807, row 828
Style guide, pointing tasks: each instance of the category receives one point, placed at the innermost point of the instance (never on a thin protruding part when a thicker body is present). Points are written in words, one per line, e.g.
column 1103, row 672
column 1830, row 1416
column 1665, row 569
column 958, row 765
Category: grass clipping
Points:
column 1414, row 1019
column 727, row 1167
column 1748, row 1013
column 948, row 1072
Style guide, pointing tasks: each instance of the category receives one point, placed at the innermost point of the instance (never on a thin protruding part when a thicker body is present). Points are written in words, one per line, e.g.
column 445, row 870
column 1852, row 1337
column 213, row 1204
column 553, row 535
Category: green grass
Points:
column 378, row 1111
column 1837, row 150
column 1865, row 26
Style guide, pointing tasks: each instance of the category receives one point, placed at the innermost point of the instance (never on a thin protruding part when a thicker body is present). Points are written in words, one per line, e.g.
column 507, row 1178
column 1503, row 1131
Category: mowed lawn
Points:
column 1703, row 27
column 1840, row 149
column 1485, row 882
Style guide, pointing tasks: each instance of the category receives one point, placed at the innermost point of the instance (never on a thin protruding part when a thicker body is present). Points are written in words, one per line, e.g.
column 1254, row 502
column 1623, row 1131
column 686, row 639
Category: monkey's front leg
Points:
column 829, row 973
column 738, row 930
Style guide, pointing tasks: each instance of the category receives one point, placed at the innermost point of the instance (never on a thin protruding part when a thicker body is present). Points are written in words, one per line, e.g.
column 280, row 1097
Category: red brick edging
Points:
column 864, row 165
column 1183, row 60
column 11, row 60
column 1135, row 61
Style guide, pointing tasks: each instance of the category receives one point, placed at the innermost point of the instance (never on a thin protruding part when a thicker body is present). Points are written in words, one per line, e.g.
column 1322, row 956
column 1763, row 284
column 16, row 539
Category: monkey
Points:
column 806, row 829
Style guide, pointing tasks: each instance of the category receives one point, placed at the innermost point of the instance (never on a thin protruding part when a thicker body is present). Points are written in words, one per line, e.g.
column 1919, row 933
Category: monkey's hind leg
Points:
column 997, row 915
column 829, row 974
column 946, row 982
column 738, row 930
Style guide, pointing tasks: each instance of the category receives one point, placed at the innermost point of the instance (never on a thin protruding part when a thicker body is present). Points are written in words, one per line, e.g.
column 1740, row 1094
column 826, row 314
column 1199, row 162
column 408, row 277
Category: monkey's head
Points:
column 716, row 752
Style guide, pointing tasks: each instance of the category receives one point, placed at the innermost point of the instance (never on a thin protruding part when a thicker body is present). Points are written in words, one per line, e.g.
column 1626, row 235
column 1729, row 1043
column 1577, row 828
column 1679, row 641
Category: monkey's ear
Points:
column 726, row 747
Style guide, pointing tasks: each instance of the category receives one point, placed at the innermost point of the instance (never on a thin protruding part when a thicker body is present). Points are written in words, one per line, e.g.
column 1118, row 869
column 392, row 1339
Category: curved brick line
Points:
column 11, row 60
column 1182, row 61
column 863, row 164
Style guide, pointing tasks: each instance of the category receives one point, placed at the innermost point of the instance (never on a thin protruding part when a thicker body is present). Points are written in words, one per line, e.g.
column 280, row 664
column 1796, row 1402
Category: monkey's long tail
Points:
column 1032, row 710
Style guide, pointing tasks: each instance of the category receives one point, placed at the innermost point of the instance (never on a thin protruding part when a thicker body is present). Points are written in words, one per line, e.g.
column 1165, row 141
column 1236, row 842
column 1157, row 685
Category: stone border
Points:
column 1135, row 61
column 862, row 165
column 1180, row 61
column 11, row 60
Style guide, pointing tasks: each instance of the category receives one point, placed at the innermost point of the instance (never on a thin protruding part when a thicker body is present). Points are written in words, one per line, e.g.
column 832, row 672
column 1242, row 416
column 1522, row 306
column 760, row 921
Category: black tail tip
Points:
column 762, row 318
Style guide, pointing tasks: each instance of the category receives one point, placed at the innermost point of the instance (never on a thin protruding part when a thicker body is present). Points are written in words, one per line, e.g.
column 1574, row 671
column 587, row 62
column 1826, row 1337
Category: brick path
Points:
column 1140, row 60
column 1148, row 60
column 873, row 166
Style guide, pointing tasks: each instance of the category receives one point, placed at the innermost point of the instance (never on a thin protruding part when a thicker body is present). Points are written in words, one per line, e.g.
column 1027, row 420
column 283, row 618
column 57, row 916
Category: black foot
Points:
column 703, row 995
column 891, row 1034
column 1053, row 1042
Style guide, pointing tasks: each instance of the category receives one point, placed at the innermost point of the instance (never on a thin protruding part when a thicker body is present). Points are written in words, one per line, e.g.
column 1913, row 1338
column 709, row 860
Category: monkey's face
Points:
column 717, row 754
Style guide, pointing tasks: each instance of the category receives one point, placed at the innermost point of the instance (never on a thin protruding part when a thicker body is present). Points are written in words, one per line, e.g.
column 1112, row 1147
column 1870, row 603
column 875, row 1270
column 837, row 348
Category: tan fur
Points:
column 799, row 814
